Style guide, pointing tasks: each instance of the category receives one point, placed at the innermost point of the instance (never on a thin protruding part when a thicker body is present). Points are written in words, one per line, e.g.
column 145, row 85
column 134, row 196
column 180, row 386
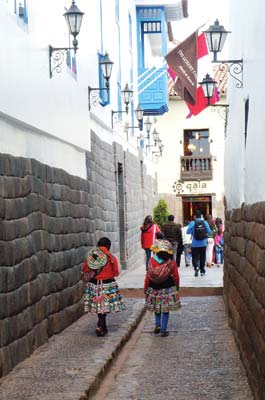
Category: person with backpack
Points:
column 101, row 291
column 199, row 230
column 161, row 285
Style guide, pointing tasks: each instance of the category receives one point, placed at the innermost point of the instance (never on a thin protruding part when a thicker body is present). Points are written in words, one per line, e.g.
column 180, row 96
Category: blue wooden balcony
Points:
column 154, row 97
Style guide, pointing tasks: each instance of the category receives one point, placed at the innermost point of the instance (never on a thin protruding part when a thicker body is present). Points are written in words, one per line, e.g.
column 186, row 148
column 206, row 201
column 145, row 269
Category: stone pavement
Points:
column 70, row 364
column 199, row 359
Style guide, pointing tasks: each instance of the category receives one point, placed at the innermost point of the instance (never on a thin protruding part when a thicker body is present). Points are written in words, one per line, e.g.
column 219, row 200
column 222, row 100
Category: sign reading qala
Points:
column 189, row 187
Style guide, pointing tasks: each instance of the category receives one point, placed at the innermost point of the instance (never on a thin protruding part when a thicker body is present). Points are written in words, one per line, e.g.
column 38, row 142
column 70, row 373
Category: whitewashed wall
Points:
column 244, row 166
column 171, row 127
column 48, row 119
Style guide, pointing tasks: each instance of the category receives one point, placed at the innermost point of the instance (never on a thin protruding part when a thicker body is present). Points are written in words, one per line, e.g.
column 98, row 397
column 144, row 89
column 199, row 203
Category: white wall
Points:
column 48, row 119
column 244, row 169
column 171, row 127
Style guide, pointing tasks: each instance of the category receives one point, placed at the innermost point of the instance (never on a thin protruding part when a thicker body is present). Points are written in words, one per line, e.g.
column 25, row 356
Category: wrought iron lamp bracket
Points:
column 56, row 58
column 223, row 110
column 93, row 99
column 113, row 113
column 234, row 68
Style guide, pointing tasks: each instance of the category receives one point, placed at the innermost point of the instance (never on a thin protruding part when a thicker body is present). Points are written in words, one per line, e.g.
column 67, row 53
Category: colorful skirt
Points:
column 102, row 298
column 162, row 300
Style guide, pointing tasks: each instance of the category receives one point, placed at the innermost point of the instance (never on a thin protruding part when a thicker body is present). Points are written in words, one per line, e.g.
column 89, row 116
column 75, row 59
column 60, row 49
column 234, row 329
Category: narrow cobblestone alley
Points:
column 198, row 361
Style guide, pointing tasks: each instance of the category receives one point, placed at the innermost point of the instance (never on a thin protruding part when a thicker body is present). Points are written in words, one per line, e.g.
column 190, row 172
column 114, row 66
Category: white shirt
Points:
column 187, row 239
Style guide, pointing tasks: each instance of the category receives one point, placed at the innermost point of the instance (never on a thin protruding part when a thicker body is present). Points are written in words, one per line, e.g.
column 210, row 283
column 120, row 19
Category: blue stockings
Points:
column 162, row 322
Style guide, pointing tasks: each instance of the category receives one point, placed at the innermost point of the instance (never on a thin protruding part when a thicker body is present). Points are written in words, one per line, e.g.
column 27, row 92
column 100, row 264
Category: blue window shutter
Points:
column 25, row 12
column 103, row 94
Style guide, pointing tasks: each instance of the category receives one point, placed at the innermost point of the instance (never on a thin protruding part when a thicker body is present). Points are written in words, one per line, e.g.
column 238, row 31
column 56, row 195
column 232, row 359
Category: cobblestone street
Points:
column 198, row 361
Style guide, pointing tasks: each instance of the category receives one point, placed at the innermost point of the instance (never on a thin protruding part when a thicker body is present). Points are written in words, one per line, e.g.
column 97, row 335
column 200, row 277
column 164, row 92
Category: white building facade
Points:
column 70, row 172
column 186, row 186
column 244, row 272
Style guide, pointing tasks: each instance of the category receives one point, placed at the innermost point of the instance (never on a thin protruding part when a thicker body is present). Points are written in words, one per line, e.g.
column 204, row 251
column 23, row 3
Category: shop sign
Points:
column 196, row 187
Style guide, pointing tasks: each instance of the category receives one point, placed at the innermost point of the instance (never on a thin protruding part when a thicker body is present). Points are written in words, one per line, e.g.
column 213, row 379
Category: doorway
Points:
column 121, row 215
column 192, row 203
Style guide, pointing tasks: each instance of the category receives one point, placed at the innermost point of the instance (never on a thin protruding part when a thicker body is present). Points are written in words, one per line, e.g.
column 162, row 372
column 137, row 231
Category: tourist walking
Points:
column 161, row 285
column 187, row 240
column 199, row 229
column 219, row 249
column 172, row 232
column 210, row 241
column 101, row 291
column 149, row 229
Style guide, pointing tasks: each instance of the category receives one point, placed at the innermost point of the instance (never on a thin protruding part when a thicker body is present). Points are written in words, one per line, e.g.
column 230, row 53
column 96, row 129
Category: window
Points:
column 104, row 96
column 151, row 35
column 196, row 143
column 117, row 9
column 246, row 120
column 20, row 9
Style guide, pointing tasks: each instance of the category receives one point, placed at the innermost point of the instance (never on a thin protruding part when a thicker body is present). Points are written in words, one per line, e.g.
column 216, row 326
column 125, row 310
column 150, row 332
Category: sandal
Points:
column 157, row 329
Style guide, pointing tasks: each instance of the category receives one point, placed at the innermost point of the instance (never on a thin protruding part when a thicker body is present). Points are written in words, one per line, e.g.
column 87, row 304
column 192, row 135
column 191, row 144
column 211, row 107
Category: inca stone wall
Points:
column 48, row 219
column 244, row 288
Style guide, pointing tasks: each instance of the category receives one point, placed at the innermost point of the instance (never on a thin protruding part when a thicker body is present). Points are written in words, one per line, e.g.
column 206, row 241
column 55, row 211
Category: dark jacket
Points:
column 172, row 231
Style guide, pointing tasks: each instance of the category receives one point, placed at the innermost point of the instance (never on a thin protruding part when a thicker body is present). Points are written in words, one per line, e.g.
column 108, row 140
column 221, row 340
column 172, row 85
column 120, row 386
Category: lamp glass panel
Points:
column 210, row 88
column 74, row 22
column 139, row 113
column 148, row 125
column 222, row 40
column 126, row 94
column 106, row 69
column 155, row 135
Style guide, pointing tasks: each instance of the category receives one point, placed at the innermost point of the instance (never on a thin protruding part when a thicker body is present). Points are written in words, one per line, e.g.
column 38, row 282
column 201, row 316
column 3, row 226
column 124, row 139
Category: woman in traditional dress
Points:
column 162, row 284
column 102, row 295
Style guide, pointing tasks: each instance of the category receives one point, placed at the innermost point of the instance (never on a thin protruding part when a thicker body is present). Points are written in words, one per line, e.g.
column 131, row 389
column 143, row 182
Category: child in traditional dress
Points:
column 162, row 284
column 102, row 295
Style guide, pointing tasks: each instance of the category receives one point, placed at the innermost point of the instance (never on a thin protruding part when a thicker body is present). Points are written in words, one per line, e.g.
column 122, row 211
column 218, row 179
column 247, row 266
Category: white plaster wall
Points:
column 244, row 167
column 171, row 127
column 57, row 106
column 22, row 140
column 48, row 119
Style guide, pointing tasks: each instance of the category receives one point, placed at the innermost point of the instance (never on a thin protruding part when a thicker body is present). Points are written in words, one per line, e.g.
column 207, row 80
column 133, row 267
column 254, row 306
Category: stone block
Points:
column 259, row 290
column 53, row 303
column 5, row 361
column 40, row 334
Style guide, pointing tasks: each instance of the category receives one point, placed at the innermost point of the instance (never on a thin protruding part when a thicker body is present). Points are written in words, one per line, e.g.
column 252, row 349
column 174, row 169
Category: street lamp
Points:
column 216, row 36
column 148, row 126
column 73, row 18
column 208, row 86
column 139, row 114
column 106, row 67
column 155, row 136
column 126, row 94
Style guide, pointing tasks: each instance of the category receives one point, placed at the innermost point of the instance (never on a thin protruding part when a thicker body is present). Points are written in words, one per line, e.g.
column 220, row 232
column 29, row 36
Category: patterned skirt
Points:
column 102, row 298
column 162, row 300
